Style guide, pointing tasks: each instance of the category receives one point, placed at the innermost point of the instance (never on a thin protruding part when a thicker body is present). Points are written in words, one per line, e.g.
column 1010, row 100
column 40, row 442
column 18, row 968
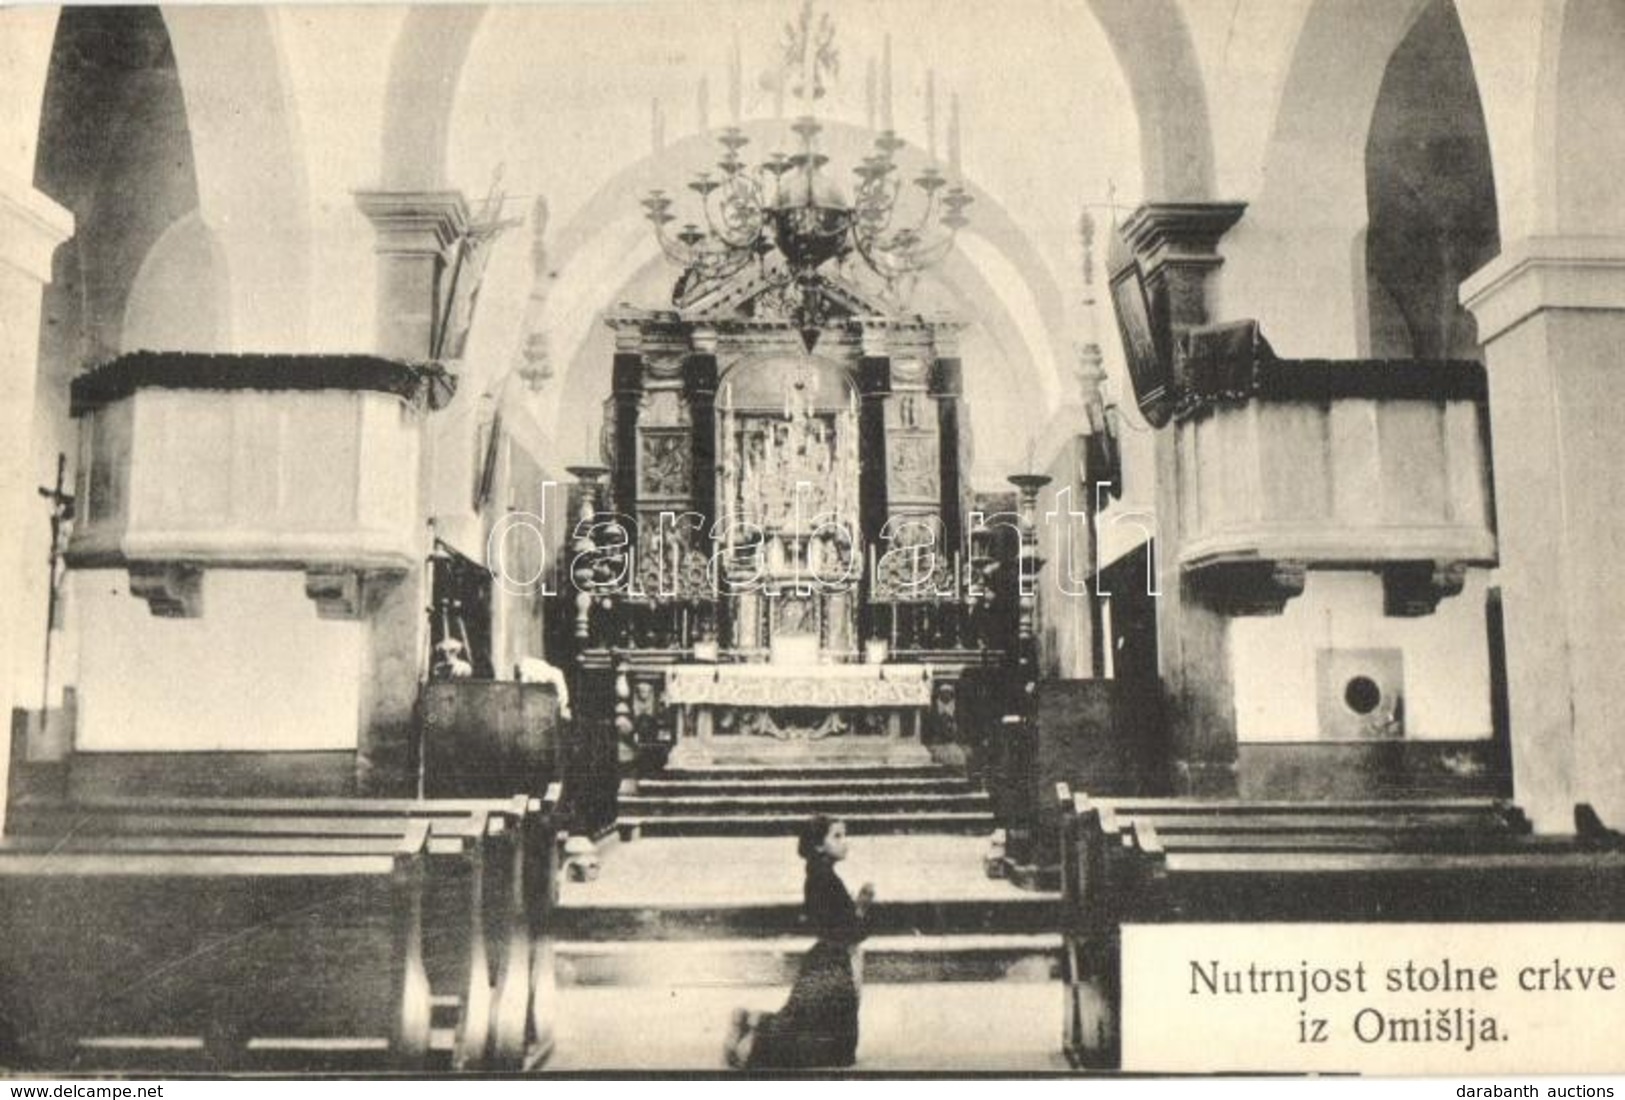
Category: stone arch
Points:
column 113, row 124
column 423, row 72
column 1311, row 203
column 432, row 49
column 1587, row 104
column 603, row 225
column 1430, row 193
column 1154, row 49
column 253, row 189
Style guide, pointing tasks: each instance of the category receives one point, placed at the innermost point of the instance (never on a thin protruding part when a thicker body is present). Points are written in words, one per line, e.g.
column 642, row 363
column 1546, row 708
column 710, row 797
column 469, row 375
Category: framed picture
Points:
column 1149, row 366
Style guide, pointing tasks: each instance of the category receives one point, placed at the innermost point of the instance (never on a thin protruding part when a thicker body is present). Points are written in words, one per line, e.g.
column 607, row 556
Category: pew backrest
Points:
column 219, row 957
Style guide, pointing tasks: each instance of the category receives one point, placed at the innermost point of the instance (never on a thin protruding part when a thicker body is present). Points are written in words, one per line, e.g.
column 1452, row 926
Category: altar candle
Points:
column 885, row 86
column 734, row 83
column 931, row 114
column 869, row 95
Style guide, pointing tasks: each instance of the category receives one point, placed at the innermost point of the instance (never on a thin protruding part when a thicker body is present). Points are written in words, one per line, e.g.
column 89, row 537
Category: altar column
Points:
column 1551, row 316
column 700, row 386
column 874, row 387
column 627, row 388
column 947, row 387
column 31, row 227
column 1177, row 248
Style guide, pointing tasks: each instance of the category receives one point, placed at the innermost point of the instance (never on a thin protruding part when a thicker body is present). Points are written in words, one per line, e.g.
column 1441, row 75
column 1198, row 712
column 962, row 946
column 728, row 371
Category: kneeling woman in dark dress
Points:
column 818, row 1026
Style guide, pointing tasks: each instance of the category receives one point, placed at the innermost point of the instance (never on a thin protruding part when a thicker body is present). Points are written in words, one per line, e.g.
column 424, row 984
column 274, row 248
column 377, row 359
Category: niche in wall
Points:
column 1360, row 694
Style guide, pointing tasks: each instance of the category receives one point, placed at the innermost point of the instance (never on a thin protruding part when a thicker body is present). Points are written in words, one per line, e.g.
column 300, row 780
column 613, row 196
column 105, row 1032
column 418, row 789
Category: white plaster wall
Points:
column 257, row 671
column 26, row 33
column 252, row 165
column 1446, row 659
column 181, row 298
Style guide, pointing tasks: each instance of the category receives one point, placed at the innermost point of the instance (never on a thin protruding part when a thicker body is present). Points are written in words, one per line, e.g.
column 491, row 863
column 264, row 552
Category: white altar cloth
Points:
column 834, row 686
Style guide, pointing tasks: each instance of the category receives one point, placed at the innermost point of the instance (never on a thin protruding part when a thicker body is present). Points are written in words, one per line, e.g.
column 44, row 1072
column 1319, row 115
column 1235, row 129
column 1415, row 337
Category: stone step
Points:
column 942, row 1027
column 831, row 803
column 781, row 785
column 1033, row 957
column 965, row 822
column 808, row 770
column 1013, row 914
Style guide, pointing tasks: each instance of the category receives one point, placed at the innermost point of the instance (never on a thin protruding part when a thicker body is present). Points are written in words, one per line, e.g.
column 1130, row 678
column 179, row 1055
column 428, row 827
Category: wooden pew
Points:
column 1166, row 860
column 490, row 887
column 214, row 961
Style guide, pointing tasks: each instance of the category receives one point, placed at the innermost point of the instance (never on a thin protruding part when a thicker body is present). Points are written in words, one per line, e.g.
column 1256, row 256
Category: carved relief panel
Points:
column 913, row 469
column 665, row 464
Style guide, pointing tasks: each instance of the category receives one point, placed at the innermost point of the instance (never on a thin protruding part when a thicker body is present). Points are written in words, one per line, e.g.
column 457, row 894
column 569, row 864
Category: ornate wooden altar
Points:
column 790, row 522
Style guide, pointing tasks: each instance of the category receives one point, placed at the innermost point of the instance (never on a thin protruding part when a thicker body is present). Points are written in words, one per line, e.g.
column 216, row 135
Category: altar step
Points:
column 992, row 957
column 960, row 824
column 960, row 972
column 878, row 785
column 688, row 922
column 774, row 801
column 785, row 771
column 832, row 803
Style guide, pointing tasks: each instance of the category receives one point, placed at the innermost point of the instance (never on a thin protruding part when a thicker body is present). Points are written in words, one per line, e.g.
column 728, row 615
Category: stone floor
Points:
column 669, row 1017
column 929, row 1026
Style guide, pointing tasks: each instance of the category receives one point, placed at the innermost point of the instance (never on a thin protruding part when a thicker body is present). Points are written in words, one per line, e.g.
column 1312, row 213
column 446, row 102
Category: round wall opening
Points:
column 1362, row 695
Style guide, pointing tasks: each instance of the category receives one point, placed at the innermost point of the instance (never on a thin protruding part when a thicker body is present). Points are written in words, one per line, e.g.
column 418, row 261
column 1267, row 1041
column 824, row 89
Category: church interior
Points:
column 479, row 478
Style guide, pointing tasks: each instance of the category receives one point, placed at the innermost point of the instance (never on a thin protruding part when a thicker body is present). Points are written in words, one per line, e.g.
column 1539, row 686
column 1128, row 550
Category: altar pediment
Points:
column 769, row 292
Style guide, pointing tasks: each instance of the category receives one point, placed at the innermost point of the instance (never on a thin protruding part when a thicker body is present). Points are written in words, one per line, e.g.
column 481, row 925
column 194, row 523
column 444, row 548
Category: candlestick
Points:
column 953, row 134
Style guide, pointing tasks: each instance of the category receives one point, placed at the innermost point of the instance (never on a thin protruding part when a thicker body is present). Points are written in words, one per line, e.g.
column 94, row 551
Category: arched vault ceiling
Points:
column 563, row 99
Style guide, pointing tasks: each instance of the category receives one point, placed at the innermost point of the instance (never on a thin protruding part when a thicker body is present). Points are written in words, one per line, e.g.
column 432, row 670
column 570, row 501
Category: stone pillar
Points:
column 1100, row 465
column 31, row 226
column 416, row 231
column 1176, row 245
column 1551, row 317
